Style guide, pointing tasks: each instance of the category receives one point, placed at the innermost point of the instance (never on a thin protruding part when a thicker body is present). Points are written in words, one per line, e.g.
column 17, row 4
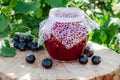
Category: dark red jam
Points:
column 58, row 51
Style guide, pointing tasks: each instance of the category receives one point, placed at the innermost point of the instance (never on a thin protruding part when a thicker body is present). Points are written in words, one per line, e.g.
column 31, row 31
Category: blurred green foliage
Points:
column 25, row 15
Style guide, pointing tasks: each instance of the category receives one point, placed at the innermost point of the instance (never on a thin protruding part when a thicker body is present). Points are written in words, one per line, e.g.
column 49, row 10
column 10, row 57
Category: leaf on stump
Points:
column 8, row 51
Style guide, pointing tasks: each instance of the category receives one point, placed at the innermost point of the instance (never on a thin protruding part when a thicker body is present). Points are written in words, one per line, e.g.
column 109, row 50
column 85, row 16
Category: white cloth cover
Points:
column 68, row 25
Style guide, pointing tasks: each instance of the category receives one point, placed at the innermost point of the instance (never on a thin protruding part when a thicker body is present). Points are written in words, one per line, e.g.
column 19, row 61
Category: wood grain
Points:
column 17, row 69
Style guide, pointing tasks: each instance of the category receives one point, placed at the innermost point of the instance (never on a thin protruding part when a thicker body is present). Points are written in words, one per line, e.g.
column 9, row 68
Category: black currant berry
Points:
column 29, row 38
column 89, row 53
column 16, row 37
column 47, row 63
column 29, row 44
column 96, row 60
column 86, row 49
column 30, row 58
column 16, row 44
column 22, row 46
column 33, row 46
column 22, row 40
column 83, row 59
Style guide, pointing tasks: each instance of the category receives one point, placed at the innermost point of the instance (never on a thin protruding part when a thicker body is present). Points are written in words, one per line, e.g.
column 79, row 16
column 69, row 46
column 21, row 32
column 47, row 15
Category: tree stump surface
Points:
column 17, row 68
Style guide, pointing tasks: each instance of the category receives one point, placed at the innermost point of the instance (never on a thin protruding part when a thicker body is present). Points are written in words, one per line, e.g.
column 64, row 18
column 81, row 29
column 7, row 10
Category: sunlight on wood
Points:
column 22, row 66
column 96, row 47
column 26, row 76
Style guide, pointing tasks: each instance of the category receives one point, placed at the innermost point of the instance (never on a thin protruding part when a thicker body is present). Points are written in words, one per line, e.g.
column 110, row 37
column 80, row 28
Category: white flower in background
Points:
column 115, row 21
column 12, row 12
column 89, row 12
column 116, row 8
column 118, row 35
column 76, row 0
column 98, row 10
column 86, row 1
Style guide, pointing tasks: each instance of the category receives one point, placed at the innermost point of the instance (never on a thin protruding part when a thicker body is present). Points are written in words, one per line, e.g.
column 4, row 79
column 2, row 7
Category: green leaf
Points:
column 117, row 15
column 12, row 3
column 57, row 3
column 5, row 33
column 27, row 7
column 7, row 44
column 5, row 10
column 112, row 29
column 25, row 34
column 8, row 51
column 6, row 1
column 22, row 28
column 103, row 36
column 105, row 21
column 39, row 13
column 35, row 31
column 96, row 36
column 4, row 21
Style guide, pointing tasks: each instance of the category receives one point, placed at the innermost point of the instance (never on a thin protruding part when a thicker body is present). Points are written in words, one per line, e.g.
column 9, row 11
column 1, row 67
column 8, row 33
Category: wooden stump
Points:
column 17, row 69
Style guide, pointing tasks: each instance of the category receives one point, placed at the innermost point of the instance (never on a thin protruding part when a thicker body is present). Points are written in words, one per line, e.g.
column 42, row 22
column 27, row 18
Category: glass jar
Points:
column 65, row 33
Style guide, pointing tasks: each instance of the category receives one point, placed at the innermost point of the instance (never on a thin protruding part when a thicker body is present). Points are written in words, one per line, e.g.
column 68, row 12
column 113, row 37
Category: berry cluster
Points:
column 89, row 53
column 25, row 42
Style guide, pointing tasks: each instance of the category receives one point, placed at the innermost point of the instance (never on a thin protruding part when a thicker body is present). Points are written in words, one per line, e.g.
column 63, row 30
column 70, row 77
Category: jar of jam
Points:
column 65, row 33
